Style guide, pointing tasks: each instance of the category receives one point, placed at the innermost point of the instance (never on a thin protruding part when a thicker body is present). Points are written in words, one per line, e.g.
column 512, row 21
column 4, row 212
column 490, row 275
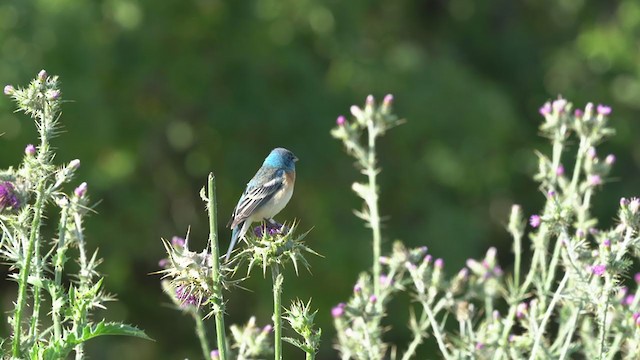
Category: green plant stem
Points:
column 572, row 327
column 35, row 315
column 436, row 331
column 603, row 317
column 547, row 316
column 59, row 265
column 278, row 279
column 26, row 268
column 202, row 335
column 517, row 249
column 372, row 203
column 215, row 265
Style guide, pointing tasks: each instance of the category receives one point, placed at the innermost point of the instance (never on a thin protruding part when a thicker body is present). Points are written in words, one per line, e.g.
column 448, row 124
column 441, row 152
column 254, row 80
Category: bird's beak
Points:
column 295, row 158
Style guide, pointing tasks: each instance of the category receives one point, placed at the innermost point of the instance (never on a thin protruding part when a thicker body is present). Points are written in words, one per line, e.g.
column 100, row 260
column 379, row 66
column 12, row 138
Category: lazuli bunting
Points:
column 266, row 194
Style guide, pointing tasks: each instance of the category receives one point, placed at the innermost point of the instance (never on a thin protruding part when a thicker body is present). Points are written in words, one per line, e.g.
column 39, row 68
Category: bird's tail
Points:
column 235, row 234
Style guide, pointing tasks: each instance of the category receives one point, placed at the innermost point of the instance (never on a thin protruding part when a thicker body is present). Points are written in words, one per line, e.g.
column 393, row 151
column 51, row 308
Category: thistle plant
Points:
column 195, row 282
column 27, row 195
column 569, row 302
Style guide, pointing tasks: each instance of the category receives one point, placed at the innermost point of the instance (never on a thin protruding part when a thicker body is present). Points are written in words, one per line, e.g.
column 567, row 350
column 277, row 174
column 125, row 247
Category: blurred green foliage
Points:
column 165, row 91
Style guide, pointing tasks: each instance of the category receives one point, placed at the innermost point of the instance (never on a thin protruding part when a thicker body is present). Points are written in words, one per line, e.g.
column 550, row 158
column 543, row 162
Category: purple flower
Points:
column 267, row 328
column 551, row 193
column 598, row 270
column 370, row 100
column 75, row 164
column 439, row 263
column 373, row 299
column 624, row 202
column 560, row 170
column 636, row 277
column 558, row 105
column 479, row 346
column 177, row 241
column 521, row 310
column 8, row 90
column 338, row 310
column 636, row 317
column 578, row 113
column 387, row 100
column 341, row 120
column 385, row 280
column 628, row 300
column 591, row 152
column 606, row 243
column 81, row 190
column 215, row 354
column 186, row 298
column 163, row 263
column 42, row 75
column 594, row 180
column 535, row 221
column 30, row 150
column 8, row 198
column 604, row 110
column 53, row 94
column 463, row 274
column 545, row 109
column 427, row 259
column 610, row 159
column 357, row 289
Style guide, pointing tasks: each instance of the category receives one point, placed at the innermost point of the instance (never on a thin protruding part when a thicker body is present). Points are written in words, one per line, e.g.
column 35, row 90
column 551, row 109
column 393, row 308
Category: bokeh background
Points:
column 165, row 91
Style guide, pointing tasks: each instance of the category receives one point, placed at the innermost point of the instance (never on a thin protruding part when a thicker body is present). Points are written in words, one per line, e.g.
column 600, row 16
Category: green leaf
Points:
column 111, row 328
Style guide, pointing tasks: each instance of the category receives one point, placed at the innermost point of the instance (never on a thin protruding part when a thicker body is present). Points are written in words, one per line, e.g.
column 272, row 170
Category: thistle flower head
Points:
column 81, row 190
column 30, row 150
column 8, row 196
column 251, row 340
column 9, row 90
column 535, row 221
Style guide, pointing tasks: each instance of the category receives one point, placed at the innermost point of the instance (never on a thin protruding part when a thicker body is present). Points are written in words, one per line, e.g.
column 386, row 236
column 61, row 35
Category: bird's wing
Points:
column 255, row 196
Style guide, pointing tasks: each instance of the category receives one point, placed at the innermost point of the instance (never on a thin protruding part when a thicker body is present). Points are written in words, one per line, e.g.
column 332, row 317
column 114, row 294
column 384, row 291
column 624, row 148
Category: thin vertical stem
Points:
column 547, row 315
column 202, row 335
column 59, row 264
column 215, row 265
column 372, row 203
column 277, row 310
column 26, row 268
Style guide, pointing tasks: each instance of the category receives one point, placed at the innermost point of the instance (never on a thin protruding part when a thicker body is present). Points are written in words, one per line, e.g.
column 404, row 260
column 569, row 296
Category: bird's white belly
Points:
column 274, row 205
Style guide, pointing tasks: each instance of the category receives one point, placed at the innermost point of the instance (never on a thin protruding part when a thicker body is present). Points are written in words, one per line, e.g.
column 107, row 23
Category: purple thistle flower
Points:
column 267, row 328
column 215, row 354
column 578, row 113
column 373, row 299
column 624, row 202
column 628, row 300
column 551, row 193
column 357, row 289
column 591, row 152
column 545, row 109
column 186, row 298
column 604, row 110
column 635, row 317
column 53, row 95
column 606, row 243
column 30, row 150
column 439, row 263
column 163, row 263
column 370, row 100
column 177, row 241
column 8, row 198
column 75, row 164
column 81, row 190
column 258, row 231
column 521, row 310
column 598, row 270
column 274, row 231
column 42, row 75
column 559, row 104
column 338, row 310
column 341, row 120
column 385, row 280
column 594, row 180
column 8, row 90
column 560, row 170
column 610, row 159
column 535, row 221
column 427, row 259
column 479, row 346
column 636, row 277
column 388, row 99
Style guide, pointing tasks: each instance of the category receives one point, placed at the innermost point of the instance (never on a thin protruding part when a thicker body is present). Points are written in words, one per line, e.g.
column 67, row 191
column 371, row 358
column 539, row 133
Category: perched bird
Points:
column 266, row 194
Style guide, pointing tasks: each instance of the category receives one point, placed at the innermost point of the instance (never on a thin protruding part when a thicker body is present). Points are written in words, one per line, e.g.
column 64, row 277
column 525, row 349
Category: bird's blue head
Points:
column 281, row 158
